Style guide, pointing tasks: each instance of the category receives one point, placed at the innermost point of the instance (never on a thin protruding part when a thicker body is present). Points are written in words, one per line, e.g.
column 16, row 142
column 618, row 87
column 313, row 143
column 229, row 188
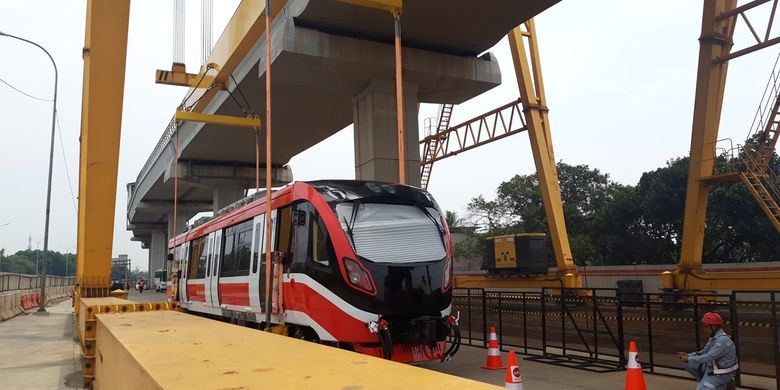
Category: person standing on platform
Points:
column 716, row 364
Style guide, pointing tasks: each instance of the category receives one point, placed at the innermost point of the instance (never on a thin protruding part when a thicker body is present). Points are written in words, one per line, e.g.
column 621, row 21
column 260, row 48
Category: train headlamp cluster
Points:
column 358, row 276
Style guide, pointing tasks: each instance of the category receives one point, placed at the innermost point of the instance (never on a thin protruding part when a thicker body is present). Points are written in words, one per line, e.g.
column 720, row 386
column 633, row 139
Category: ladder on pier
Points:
column 429, row 151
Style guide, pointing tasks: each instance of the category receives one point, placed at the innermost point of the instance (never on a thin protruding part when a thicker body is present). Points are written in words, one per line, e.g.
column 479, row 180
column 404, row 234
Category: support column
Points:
column 225, row 195
column 158, row 249
column 376, row 133
column 531, row 87
column 715, row 42
column 181, row 223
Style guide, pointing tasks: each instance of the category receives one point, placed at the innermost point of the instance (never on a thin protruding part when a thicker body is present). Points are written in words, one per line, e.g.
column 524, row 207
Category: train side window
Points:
column 320, row 252
column 208, row 254
column 228, row 254
column 197, row 261
column 242, row 251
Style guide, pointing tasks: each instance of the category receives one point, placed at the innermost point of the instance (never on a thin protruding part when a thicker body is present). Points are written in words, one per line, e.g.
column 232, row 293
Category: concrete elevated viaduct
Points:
column 333, row 65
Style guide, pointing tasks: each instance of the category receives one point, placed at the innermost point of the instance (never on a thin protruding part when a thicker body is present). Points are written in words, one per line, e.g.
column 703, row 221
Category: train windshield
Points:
column 393, row 233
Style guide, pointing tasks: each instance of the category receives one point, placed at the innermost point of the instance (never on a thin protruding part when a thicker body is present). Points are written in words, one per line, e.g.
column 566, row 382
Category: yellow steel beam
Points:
column 699, row 280
column 178, row 76
column 485, row 281
column 104, row 55
column 530, row 83
column 241, row 33
column 167, row 350
column 715, row 42
column 188, row 116
column 87, row 325
column 392, row 6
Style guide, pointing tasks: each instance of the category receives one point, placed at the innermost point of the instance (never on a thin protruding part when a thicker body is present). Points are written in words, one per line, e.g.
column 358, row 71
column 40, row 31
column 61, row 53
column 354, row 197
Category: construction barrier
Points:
column 13, row 303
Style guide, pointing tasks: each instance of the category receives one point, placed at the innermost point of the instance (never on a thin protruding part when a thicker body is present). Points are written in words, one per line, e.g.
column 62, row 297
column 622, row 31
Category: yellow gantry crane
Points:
column 715, row 52
column 527, row 113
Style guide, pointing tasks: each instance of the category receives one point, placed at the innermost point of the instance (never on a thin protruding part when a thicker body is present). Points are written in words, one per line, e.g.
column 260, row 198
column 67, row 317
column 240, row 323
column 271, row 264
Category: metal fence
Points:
column 14, row 282
column 590, row 328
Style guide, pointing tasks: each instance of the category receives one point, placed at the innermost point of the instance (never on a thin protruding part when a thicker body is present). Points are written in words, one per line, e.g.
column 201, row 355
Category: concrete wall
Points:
column 16, row 289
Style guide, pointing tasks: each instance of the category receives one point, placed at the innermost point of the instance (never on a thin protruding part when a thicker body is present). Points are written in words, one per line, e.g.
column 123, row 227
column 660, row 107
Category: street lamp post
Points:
column 42, row 299
column 3, row 225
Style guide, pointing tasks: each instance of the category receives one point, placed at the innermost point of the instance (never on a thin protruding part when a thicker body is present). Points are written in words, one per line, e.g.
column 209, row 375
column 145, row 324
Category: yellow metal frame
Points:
column 87, row 326
column 715, row 42
column 224, row 120
column 392, row 6
column 242, row 32
column 178, row 76
column 568, row 280
column 531, row 86
column 718, row 22
column 144, row 350
column 104, row 55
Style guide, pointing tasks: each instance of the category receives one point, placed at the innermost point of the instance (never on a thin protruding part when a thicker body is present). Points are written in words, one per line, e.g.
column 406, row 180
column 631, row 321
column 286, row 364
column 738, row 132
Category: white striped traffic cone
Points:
column 635, row 380
column 494, row 353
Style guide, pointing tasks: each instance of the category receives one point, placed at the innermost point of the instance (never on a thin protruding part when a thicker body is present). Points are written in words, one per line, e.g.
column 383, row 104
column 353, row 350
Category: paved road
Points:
column 38, row 351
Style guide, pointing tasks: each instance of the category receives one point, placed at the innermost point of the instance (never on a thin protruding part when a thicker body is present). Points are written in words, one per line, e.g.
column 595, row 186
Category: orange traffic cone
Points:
column 635, row 380
column 513, row 379
column 494, row 353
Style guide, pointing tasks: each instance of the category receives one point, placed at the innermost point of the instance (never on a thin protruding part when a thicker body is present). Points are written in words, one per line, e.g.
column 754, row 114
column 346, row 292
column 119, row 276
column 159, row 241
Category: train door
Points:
column 182, row 254
column 212, row 280
column 261, row 260
column 182, row 280
column 258, row 246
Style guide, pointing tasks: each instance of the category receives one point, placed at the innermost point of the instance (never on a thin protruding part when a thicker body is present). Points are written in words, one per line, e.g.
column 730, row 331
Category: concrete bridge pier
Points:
column 158, row 250
column 376, row 133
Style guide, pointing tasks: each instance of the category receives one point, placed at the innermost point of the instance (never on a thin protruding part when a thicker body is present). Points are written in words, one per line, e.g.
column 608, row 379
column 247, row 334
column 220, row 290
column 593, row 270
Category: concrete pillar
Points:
column 181, row 223
column 376, row 133
column 158, row 250
column 225, row 195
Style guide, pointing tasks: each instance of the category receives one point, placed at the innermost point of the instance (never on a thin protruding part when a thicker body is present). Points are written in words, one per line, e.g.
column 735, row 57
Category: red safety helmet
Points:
column 711, row 319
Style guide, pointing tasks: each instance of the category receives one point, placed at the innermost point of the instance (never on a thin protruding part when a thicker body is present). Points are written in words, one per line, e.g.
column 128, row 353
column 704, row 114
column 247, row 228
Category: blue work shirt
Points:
column 719, row 355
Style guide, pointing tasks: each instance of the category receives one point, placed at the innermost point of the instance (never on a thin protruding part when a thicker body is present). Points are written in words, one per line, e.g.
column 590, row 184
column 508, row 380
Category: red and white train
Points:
column 366, row 266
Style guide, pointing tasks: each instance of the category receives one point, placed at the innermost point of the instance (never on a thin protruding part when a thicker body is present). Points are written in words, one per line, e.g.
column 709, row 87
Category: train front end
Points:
column 397, row 263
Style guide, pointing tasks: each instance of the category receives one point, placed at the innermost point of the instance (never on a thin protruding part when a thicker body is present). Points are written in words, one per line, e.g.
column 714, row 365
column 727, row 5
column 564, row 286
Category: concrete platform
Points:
column 38, row 352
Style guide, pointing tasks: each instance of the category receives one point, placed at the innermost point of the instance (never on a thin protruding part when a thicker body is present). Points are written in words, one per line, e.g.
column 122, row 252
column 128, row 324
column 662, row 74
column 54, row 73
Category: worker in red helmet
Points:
column 716, row 364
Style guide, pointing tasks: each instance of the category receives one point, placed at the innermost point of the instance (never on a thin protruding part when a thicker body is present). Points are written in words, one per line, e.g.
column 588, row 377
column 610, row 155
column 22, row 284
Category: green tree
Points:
column 518, row 207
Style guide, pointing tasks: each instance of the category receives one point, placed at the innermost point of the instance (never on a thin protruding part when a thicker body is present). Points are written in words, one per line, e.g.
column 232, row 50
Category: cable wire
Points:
column 24, row 93
column 65, row 161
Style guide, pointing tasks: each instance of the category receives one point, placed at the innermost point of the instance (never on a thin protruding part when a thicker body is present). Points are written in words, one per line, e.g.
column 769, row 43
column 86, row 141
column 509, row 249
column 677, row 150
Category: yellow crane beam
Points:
column 104, row 55
column 242, row 32
column 531, row 85
column 715, row 42
column 223, row 120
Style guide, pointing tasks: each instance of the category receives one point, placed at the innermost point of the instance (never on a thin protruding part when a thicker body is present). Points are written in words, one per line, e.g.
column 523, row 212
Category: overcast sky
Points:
column 619, row 78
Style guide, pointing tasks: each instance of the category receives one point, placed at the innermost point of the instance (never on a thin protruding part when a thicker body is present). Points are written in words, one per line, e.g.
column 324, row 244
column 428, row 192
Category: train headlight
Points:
column 354, row 277
column 358, row 276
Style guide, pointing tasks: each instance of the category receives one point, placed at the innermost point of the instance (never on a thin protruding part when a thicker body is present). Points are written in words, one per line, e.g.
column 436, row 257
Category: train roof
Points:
column 333, row 191
column 339, row 191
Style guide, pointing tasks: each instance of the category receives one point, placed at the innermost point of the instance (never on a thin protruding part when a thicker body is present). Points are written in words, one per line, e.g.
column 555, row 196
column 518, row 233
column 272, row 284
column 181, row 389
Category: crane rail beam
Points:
column 225, row 120
column 486, row 128
column 694, row 279
column 168, row 349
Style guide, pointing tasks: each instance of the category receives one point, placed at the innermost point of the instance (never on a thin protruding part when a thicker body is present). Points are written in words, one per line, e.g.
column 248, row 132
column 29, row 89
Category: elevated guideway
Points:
column 333, row 66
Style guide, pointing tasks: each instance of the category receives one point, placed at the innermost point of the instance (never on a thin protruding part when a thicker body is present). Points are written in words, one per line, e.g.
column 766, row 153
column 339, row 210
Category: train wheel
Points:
column 303, row 333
